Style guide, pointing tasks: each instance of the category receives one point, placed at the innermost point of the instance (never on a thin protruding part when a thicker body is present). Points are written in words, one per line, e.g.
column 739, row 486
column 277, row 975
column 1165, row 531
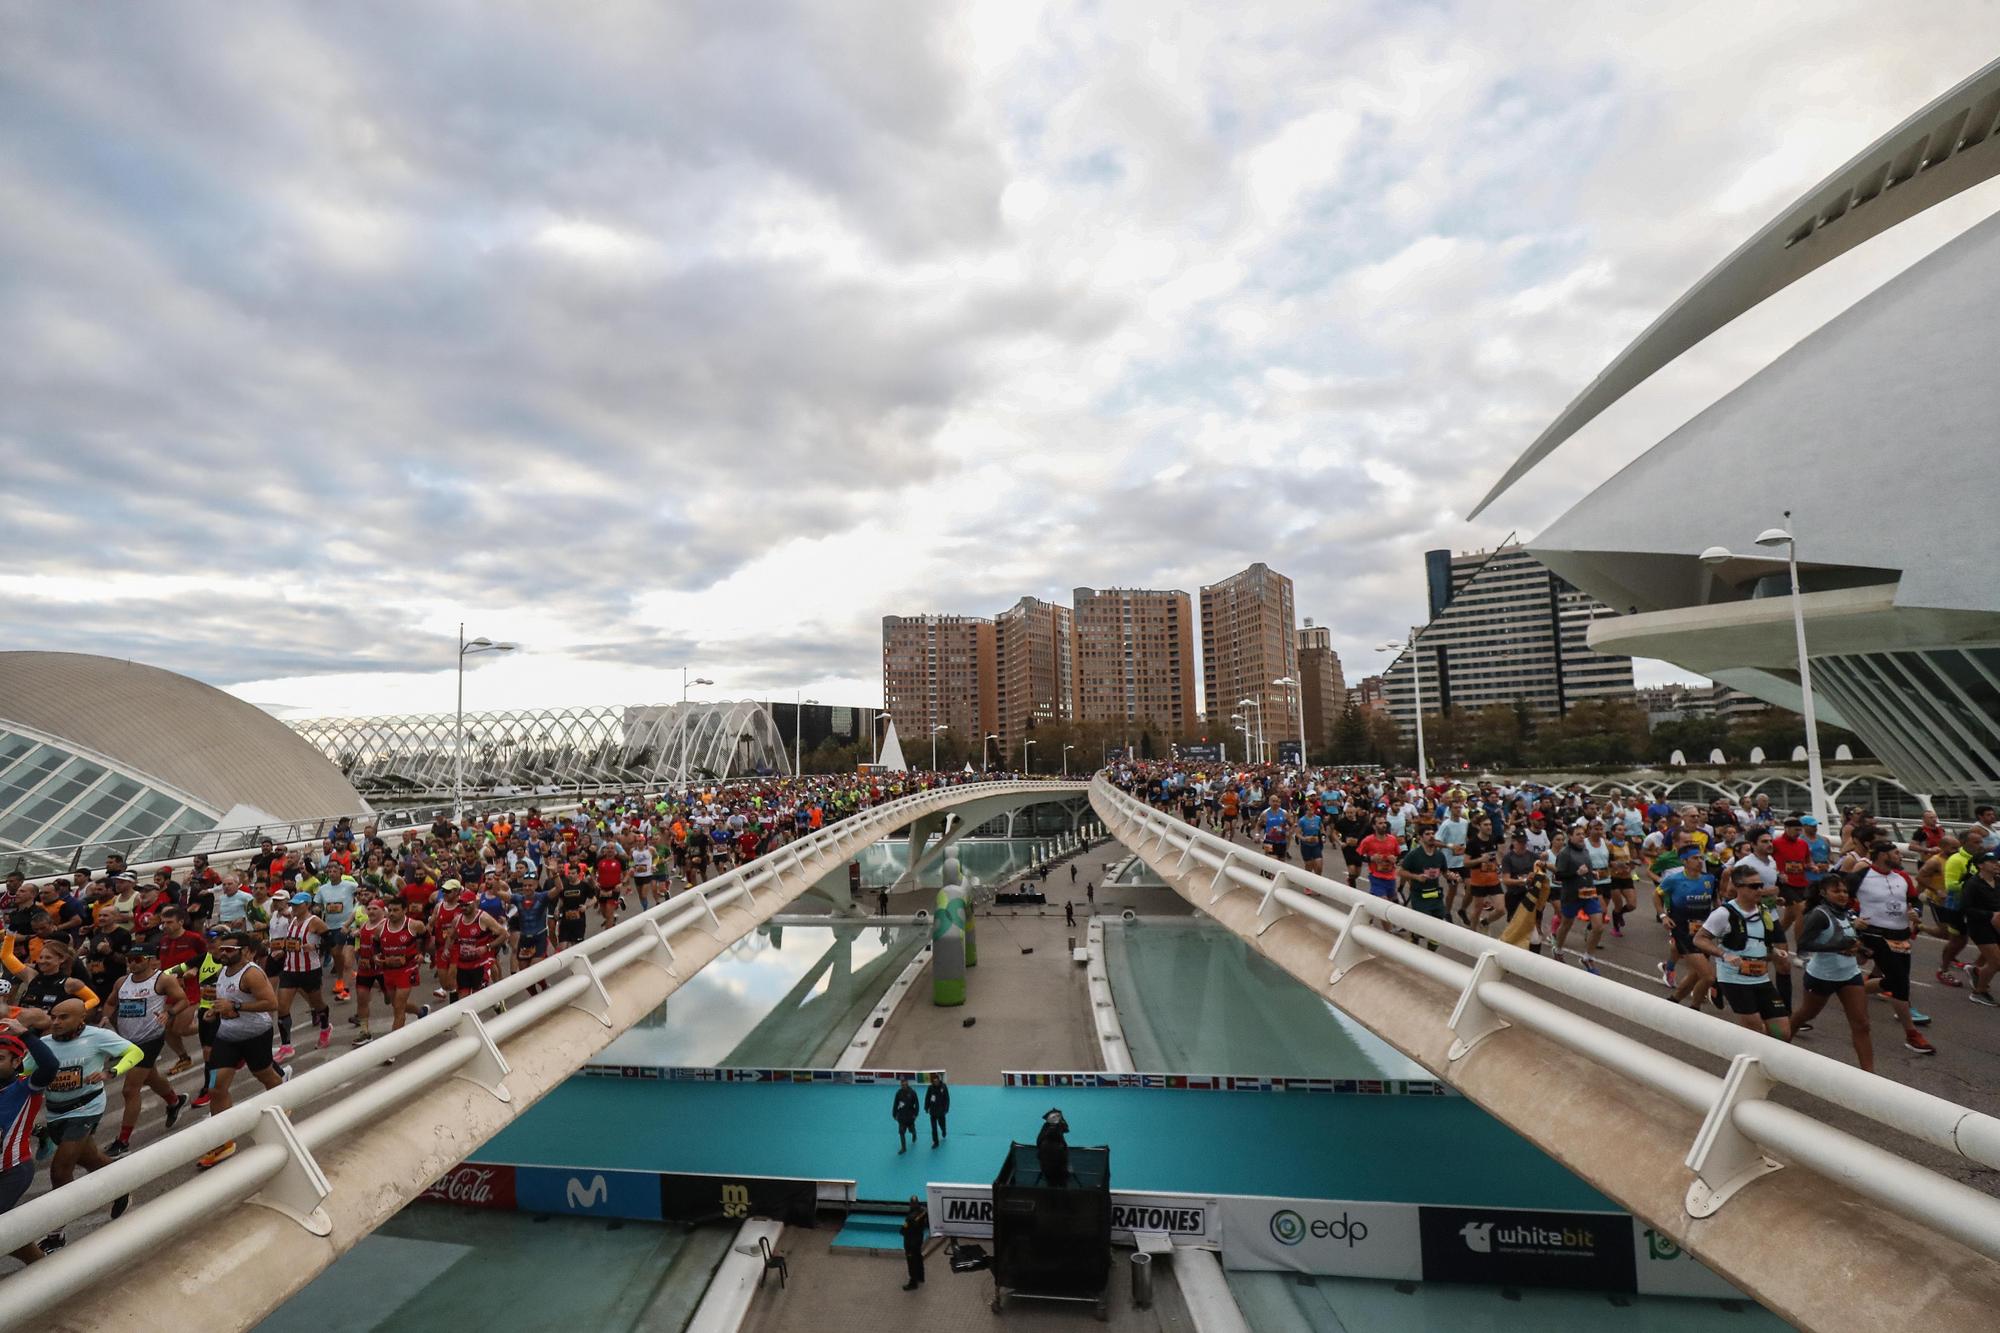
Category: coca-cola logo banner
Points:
column 472, row 1185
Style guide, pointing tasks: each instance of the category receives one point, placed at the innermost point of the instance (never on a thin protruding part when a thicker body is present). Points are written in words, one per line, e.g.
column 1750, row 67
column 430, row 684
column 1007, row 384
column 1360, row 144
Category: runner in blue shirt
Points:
column 1312, row 846
column 1689, row 891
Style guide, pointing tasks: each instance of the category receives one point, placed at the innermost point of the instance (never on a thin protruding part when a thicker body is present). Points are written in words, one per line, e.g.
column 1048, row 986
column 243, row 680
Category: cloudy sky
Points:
column 708, row 333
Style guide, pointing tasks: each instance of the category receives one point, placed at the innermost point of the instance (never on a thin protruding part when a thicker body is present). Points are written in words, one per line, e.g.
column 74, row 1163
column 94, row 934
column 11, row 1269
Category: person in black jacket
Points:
column 904, row 1109
column 937, row 1105
column 1052, row 1149
column 916, row 1223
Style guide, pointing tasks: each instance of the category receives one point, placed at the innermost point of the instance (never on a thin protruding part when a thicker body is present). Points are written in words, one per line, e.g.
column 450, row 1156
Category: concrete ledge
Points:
column 727, row 1301
column 1807, row 1247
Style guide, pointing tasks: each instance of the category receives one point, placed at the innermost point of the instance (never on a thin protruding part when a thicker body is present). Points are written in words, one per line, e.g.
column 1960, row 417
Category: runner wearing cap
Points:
column 296, row 939
column 145, row 1002
column 1689, row 894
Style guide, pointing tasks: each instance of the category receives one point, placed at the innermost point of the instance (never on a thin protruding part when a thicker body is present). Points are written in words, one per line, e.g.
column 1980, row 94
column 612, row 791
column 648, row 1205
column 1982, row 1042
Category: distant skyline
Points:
column 647, row 336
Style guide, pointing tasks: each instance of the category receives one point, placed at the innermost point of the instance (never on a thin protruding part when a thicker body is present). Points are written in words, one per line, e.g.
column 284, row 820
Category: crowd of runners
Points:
column 1756, row 904
column 116, row 981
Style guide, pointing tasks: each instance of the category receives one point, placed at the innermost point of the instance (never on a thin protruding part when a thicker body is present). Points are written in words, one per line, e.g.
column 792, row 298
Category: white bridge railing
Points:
column 276, row 1159
column 1742, row 1130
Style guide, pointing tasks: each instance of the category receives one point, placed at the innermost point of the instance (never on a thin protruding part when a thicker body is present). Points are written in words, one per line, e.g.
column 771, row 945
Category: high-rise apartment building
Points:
column 1135, row 658
column 1323, row 685
column 1511, row 632
column 1248, row 642
column 1369, row 695
column 1036, row 644
column 939, row 670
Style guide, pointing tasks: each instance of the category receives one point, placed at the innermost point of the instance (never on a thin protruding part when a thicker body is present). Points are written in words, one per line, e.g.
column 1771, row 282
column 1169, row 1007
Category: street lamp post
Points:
column 1065, row 757
column 942, row 726
column 1299, row 708
column 1025, row 743
column 983, row 752
column 798, row 732
column 1417, row 683
column 1772, row 537
column 1252, row 703
column 685, row 682
column 465, row 650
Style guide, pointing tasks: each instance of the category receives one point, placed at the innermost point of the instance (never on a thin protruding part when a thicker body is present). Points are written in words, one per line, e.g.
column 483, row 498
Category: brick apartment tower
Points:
column 1325, row 684
column 1135, row 658
column 939, row 669
column 1036, row 644
column 1248, row 640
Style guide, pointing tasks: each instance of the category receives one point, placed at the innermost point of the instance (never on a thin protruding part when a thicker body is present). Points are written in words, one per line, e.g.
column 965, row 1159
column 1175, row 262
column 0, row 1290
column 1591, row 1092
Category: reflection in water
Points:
column 1196, row 999
column 780, row 997
column 985, row 861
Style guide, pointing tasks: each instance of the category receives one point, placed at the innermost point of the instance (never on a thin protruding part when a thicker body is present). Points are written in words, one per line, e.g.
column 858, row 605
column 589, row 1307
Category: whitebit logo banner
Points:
column 1478, row 1237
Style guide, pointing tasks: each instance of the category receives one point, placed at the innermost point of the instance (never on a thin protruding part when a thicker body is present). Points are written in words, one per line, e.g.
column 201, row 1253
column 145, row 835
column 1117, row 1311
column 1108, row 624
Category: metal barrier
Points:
column 1739, row 1124
column 276, row 1159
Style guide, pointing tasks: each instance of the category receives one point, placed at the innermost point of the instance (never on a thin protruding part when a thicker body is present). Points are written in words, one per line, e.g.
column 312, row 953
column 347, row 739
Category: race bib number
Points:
column 1754, row 967
column 131, row 1008
column 67, row 1080
column 1899, row 946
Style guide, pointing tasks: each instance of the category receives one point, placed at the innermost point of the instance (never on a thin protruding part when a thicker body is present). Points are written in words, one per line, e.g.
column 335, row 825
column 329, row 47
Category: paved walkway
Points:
column 1026, row 999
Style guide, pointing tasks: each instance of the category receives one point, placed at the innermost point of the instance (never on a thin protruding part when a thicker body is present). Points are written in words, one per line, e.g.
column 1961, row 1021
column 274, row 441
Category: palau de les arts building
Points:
column 1878, row 432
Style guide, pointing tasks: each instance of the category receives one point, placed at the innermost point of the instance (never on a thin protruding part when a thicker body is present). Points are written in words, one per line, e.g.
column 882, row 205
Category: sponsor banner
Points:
column 585, row 1192
column 472, row 1185
column 1288, row 753
column 1202, row 754
column 1665, row 1269
column 1524, row 1247
column 967, row 1211
column 703, row 1074
column 1087, row 1078
column 1322, row 1237
column 685, row 1198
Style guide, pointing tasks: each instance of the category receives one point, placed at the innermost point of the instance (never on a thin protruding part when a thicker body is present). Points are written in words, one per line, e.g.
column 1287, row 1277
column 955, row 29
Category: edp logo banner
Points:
column 1322, row 1236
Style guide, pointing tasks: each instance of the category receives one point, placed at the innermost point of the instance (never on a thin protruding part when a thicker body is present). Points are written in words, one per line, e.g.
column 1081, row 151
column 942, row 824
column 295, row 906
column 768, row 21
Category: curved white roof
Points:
column 178, row 732
column 1946, row 148
column 1876, row 432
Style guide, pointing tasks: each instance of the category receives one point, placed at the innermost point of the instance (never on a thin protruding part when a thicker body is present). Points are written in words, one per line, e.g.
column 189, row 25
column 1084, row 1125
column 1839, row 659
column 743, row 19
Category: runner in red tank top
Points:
column 398, row 952
column 474, row 934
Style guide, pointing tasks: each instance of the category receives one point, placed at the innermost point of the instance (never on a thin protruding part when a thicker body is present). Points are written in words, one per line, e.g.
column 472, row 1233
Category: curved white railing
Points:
column 1497, row 988
column 276, row 1159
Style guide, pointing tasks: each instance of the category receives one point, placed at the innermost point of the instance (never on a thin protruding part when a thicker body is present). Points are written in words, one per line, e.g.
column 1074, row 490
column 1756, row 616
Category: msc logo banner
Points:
column 588, row 1193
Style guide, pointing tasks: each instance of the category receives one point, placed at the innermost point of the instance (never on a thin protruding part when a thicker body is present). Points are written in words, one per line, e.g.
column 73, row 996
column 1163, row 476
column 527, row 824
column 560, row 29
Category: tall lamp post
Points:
column 1299, row 708
column 1252, row 703
column 1243, row 727
column 685, row 682
column 990, row 737
column 1417, row 682
column 465, row 650
column 942, row 726
column 1066, row 750
column 1025, row 743
column 798, row 732
column 1774, row 537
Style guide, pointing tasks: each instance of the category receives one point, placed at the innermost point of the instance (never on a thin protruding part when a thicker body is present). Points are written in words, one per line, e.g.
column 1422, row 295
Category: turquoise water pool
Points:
column 1290, row 1303
column 433, row 1266
column 780, row 997
column 1196, row 999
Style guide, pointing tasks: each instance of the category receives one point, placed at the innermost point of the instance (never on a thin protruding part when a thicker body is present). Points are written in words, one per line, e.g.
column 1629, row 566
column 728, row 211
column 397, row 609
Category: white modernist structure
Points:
column 1876, row 432
column 565, row 747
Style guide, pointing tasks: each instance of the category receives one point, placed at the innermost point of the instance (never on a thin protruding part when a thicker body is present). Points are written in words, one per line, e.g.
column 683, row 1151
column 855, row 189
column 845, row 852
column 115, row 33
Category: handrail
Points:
column 1492, row 993
column 362, row 1084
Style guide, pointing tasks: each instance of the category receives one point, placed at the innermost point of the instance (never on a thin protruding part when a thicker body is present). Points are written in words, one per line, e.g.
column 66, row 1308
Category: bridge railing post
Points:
column 1269, row 909
column 1348, row 951
column 595, row 1000
column 488, row 1067
column 300, row 1187
column 1724, row 1159
column 1471, row 1020
column 1219, row 887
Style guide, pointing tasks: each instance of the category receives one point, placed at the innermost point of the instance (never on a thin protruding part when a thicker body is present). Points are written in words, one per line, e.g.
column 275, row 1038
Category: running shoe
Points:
column 1666, row 975
column 1919, row 1018
column 54, row 1241
column 325, row 1038
column 181, row 1066
column 354, row 1020
column 1914, row 1040
column 1947, row 979
column 1590, row 966
column 283, row 1053
column 1803, row 1027
column 174, row 1109
column 423, row 1011
column 364, row 1039
column 216, row 1158
column 1985, row 998
column 203, row 1099
column 118, row 1148
column 340, row 991
column 120, row 1204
